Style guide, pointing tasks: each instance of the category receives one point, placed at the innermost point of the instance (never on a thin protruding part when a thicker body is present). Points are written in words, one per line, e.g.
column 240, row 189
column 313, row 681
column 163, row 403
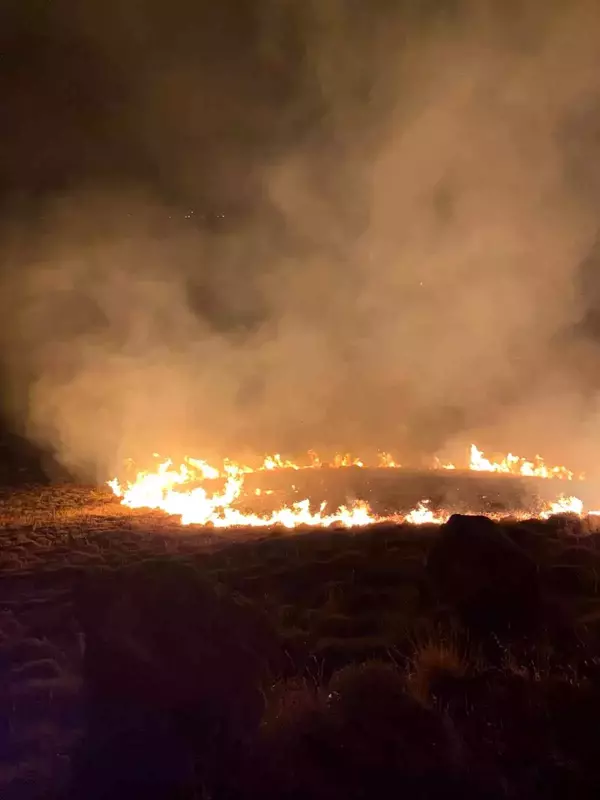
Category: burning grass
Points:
column 361, row 642
column 192, row 491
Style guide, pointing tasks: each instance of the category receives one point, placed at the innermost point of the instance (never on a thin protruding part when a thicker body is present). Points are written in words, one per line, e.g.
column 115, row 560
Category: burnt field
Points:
column 142, row 659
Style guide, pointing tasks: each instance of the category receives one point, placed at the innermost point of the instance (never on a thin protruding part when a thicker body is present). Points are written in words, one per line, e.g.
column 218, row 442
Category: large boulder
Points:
column 480, row 571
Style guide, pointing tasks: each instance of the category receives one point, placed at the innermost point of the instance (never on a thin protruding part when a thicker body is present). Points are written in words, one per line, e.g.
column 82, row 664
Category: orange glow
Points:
column 564, row 505
column 515, row 465
column 386, row 460
column 423, row 515
column 162, row 490
column 437, row 464
column 177, row 491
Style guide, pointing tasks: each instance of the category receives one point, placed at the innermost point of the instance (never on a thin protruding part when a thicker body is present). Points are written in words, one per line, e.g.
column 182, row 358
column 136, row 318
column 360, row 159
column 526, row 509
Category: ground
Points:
column 91, row 591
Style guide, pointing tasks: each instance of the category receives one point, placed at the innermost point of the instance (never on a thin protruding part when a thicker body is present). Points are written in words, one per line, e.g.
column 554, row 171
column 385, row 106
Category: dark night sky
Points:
column 136, row 92
column 188, row 99
column 62, row 102
column 191, row 98
column 72, row 88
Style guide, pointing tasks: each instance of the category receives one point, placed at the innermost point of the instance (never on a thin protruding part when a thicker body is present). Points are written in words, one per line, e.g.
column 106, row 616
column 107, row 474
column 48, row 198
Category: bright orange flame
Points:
column 386, row 460
column 564, row 505
column 508, row 464
column 315, row 461
column 276, row 462
column 159, row 490
column 423, row 515
column 176, row 492
column 437, row 464
column 515, row 465
column 346, row 461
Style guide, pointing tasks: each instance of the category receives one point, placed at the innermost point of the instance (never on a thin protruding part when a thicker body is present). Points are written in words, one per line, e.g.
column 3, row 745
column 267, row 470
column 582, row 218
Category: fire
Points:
column 179, row 492
column 276, row 462
column 477, row 462
column 386, row 461
column 565, row 505
column 346, row 461
column 159, row 490
column 515, row 465
column 315, row 461
column 437, row 464
column 423, row 515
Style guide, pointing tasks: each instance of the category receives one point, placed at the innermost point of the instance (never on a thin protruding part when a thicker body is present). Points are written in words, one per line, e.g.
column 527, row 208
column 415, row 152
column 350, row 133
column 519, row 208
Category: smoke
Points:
column 317, row 227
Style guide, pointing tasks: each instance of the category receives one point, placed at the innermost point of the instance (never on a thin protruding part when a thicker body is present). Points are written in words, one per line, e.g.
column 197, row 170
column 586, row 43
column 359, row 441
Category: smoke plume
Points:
column 282, row 226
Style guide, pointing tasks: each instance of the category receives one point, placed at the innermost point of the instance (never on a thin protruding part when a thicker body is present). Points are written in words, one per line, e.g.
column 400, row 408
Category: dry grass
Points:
column 49, row 527
column 437, row 657
column 43, row 507
column 335, row 598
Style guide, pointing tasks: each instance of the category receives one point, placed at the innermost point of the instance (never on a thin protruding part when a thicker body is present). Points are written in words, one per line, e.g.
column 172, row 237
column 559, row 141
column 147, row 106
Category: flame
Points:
column 437, row 464
column 346, row 461
column 515, row 465
column 564, row 505
column 175, row 491
column 158, row 490
column 276, row 462
column 423, row 515
column 386, row 461
column 508, row 464
column 315, row 461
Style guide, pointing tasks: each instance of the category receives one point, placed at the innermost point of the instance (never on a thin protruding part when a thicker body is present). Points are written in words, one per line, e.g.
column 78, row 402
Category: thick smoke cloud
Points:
column 297, row 225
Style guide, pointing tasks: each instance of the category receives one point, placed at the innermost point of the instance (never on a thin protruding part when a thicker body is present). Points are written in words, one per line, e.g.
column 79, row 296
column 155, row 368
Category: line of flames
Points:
column 509, row 464
column 174, row 491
